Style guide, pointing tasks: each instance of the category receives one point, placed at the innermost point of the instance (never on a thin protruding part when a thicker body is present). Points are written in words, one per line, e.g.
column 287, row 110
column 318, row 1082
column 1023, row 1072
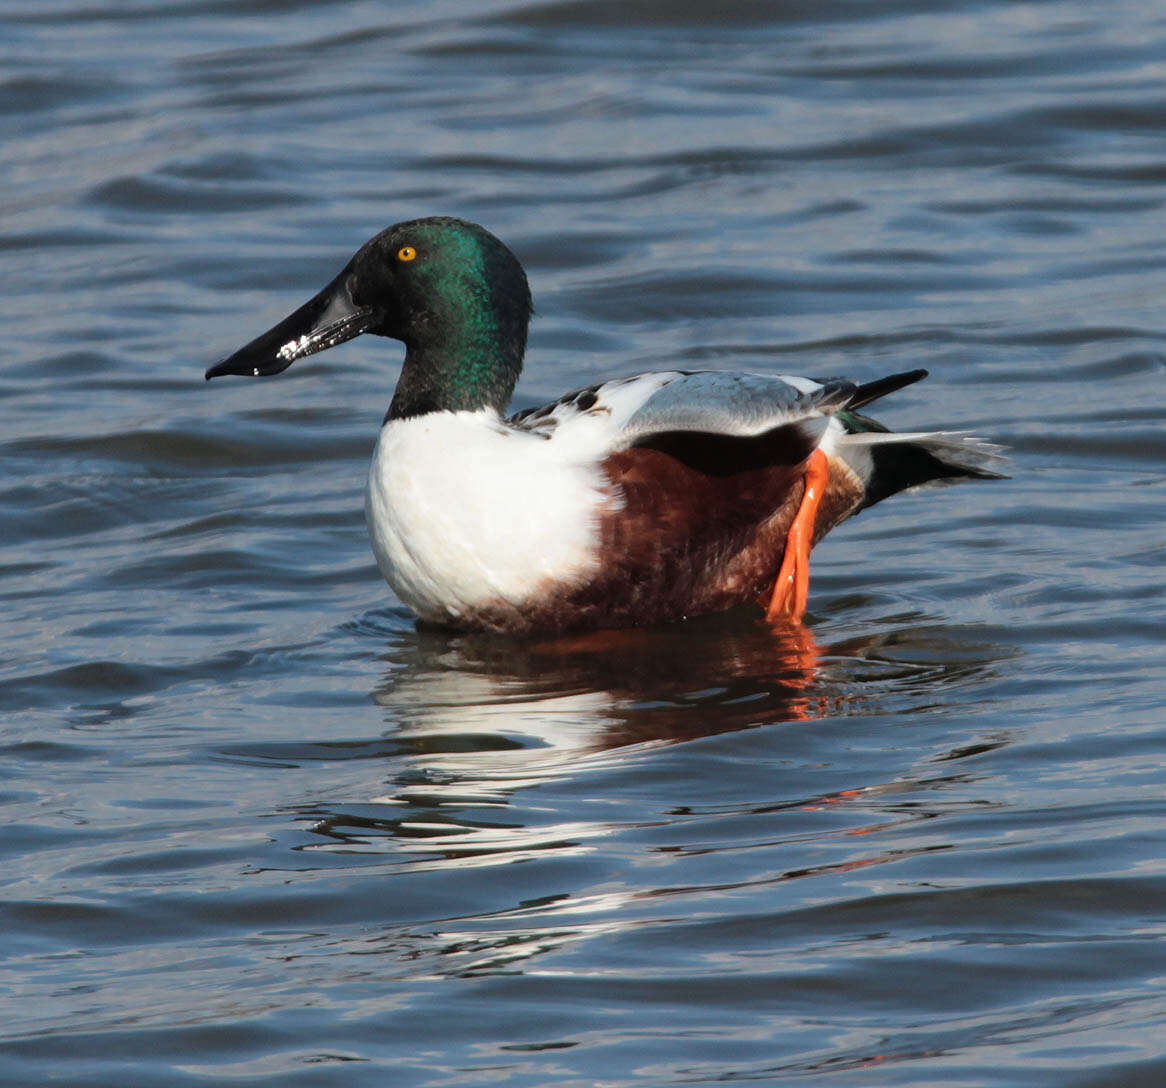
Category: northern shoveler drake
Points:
column 631, row 502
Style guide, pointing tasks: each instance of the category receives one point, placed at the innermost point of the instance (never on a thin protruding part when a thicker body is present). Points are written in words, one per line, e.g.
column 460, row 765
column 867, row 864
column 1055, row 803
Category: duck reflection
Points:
column 475, row 725
column 473, row 719
column 609, row 689
column 612, row 689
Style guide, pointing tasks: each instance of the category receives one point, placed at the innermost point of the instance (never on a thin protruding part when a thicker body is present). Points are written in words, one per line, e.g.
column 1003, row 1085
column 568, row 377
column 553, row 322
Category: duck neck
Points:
column 472, row 363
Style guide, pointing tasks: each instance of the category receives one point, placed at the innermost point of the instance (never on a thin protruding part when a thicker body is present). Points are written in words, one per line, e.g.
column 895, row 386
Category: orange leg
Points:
column 792, row 588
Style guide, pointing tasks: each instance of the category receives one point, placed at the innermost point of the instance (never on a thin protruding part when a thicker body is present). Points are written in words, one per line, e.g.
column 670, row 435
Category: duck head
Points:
column 450, row 290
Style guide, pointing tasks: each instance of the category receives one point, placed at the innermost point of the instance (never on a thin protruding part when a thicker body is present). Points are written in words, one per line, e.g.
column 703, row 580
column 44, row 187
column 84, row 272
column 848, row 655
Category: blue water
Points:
column 261, row 829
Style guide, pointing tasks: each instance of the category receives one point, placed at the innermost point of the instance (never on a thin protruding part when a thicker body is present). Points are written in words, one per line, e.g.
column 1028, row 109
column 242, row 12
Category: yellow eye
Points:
column 406, row 253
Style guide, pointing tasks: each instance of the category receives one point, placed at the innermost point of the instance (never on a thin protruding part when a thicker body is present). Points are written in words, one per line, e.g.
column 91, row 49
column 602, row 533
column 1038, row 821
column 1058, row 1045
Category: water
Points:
column 260, row 829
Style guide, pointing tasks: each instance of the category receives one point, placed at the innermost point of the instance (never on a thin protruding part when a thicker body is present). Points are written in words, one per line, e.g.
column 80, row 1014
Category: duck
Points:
column 631, row 502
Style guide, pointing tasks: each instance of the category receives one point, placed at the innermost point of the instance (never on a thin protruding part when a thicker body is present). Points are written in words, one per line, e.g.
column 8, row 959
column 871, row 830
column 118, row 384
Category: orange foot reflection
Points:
column 798, row 654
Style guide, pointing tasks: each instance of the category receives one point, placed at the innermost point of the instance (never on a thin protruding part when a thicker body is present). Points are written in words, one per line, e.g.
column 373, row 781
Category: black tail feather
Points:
column 864, row 394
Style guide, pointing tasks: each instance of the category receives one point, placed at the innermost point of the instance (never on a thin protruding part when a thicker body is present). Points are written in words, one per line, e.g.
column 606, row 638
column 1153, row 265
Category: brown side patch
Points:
column 675, row 542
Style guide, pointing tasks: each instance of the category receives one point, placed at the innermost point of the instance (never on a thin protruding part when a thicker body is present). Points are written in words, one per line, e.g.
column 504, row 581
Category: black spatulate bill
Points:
column 327, row 319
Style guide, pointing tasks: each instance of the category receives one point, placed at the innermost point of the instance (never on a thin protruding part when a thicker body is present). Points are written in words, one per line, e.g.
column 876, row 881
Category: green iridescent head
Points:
column 449, row 289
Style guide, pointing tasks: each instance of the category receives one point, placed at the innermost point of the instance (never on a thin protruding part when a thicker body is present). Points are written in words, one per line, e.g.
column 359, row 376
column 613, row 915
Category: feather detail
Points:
column 890, row 462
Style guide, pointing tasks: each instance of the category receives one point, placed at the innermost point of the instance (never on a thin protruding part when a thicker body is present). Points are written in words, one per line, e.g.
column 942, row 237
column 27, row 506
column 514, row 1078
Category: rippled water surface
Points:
column 262, row 829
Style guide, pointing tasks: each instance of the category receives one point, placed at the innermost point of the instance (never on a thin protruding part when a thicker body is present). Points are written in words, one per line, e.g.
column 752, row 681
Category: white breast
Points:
column 465, row 512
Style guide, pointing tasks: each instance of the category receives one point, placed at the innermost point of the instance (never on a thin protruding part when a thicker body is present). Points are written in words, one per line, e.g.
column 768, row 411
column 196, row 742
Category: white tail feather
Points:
column 960, row 449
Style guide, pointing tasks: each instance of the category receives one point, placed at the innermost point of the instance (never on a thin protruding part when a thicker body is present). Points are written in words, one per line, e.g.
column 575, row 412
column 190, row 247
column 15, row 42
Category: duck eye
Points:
column 406, row 253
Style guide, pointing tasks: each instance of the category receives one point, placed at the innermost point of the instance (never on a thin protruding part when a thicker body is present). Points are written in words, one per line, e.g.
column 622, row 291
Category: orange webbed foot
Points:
column 791, row 590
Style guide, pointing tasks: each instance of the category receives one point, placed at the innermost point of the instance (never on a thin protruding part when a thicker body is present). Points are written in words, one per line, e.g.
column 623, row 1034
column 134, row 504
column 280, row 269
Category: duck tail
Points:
column 889, row 462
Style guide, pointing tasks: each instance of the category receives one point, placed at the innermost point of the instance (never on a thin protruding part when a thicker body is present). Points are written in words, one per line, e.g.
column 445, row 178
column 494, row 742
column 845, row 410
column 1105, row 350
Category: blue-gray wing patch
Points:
column 738, row 405
column 714, row 404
